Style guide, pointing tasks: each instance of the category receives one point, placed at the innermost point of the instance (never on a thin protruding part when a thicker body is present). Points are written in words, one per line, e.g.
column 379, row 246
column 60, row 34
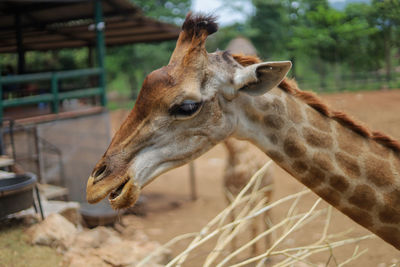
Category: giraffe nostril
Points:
column 99, row 171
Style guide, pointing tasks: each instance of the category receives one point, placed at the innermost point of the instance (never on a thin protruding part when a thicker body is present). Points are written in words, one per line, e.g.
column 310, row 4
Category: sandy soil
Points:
column 171, row 213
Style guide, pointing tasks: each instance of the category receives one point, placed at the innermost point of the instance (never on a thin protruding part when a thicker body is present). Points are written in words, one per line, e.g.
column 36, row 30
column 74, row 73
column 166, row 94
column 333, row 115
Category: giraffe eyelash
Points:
column 185, row 109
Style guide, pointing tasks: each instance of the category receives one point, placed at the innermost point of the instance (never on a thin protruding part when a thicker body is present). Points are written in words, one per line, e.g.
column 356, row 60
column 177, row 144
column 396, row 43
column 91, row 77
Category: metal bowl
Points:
column 16, row 193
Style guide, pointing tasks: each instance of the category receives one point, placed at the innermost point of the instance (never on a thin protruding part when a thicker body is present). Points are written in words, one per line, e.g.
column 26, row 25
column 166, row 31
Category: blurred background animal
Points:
column 242, row 163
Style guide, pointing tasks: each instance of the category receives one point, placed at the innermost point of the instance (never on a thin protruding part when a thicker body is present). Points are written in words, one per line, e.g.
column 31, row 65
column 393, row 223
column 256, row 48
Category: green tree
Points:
column 268, row 23
column 271, row 28
column 358, row 33
column 386, row 17
column 330, row 37
column 318, row 38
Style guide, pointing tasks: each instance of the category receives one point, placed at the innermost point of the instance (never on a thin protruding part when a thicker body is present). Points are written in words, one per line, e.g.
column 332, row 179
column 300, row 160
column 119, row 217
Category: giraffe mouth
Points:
column 125, row 195
column 117, row 192
column 122, row 192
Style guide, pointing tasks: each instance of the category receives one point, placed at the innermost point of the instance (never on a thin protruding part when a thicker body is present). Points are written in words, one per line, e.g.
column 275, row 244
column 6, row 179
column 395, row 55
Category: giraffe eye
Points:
column 185, row 109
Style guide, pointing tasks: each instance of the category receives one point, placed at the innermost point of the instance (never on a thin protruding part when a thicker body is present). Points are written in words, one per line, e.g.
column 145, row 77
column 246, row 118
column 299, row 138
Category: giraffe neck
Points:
column 353, row 173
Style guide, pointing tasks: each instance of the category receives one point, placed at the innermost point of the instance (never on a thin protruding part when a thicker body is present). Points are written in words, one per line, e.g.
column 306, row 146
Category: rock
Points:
column 97, row 247
column 155, row 231
column 113, row 253
column 74, row 260
column 96, row 237
column 56, row 206
column 72, row 214
column 54, row 231
column 132, row 220
column 131, row 233
column 129, row 253
column 105, row 245
column 138, row 235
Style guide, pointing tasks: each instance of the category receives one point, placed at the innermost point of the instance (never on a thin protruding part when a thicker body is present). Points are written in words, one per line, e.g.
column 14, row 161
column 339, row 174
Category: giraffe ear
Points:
column 259, row 78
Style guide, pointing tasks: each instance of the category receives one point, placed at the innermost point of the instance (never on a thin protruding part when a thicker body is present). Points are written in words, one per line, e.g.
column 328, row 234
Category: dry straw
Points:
column 248, row 205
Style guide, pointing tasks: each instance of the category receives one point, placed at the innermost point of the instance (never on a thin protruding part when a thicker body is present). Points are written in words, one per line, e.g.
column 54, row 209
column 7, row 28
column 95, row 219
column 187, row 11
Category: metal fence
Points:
column 351, row 82
column 53, row 94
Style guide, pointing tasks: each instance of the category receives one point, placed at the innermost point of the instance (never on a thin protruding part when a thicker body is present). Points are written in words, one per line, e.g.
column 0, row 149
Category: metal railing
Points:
column 359, row 81
column 54, row 96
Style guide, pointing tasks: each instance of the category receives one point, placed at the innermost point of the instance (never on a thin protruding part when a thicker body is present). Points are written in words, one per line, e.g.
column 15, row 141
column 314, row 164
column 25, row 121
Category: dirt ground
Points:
column 171, row 213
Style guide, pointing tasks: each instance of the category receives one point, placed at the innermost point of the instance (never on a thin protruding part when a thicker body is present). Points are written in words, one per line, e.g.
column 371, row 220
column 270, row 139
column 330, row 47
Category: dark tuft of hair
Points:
column 195, row 23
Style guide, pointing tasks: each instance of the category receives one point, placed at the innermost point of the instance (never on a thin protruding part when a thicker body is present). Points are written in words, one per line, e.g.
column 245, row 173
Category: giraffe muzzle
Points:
column 124, row 196
column 122, row 192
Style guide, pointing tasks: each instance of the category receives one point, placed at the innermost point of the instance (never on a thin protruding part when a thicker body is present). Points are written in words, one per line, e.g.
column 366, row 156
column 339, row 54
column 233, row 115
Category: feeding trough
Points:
column 99, row 214
column 16, row 193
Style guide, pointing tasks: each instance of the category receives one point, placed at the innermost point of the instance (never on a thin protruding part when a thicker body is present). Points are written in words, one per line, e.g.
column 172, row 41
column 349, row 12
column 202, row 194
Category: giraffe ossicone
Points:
column 352, row 168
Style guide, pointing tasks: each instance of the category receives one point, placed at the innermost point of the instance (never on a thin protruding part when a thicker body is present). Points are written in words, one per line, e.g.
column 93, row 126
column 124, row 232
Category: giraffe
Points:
column 199, row 99
column 241, row 164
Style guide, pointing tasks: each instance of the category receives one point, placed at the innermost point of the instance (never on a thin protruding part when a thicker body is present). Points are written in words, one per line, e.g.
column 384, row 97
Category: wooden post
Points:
column 192, row 176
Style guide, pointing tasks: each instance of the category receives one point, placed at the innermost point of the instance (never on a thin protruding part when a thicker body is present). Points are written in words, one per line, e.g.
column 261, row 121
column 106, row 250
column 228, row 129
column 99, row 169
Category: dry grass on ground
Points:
column 15, row 251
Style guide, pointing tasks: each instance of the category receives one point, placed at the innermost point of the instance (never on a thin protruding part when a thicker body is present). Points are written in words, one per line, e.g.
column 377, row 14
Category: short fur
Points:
column 290, row 86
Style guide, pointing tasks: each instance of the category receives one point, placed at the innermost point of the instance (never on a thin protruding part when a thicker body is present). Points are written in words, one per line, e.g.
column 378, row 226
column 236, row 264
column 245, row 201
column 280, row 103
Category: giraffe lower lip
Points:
column 125, row 195
column 117, row 192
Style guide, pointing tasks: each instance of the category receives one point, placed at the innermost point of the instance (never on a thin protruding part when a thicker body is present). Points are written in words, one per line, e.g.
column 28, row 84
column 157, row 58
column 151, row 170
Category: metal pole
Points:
column 38, row 158
column 1, row 98
column 12, row 140
column 39, row 202
column 192, row 174
column 90, row 57
column 101, row 50
column 54, row 91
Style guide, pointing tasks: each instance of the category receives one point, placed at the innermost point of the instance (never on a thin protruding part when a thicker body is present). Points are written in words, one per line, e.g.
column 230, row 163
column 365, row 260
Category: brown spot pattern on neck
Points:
column 290, row 86
column 312, row 100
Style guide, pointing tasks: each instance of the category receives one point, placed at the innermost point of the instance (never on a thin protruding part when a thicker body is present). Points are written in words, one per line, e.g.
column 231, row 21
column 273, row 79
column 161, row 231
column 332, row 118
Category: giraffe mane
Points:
column 311, row 99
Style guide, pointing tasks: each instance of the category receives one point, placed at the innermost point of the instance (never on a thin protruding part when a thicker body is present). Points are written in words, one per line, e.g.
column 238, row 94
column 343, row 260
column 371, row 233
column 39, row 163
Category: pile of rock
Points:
column 100, row 246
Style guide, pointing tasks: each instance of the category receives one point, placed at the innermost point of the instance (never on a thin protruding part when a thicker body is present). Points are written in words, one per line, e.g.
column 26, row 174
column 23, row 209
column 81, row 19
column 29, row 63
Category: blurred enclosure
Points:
column 334, row 45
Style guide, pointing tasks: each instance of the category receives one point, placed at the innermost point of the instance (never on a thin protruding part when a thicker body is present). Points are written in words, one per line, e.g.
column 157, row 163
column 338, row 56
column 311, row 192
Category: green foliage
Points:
column 269, row 23
column 64, row 59
column 331, row 35
column 327, row 41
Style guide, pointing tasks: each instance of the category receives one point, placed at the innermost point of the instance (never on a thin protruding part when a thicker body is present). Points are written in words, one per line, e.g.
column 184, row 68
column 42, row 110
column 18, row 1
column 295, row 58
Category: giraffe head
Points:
column 183, row 110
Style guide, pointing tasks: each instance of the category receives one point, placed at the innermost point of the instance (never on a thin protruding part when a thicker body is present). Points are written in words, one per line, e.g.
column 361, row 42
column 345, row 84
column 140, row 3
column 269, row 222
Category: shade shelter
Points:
column 51, row 25
column 59, row 144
